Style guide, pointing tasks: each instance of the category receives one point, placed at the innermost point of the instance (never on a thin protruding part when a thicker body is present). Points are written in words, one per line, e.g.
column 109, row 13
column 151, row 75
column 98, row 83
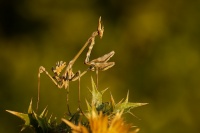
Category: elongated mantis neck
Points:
column 84, row 46
column 99, row 32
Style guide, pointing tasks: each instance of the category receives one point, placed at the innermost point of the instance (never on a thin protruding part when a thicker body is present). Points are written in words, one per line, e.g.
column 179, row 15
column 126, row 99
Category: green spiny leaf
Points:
column 126, row 106
column 93, row 84
column 49, row 120
column 42, row 122
column 30, row 110
column 44, row 113
column 112, row 100
column 88, row 106
column 104, row 91
column 96, row 95
column 126, row 100
column 27, row 118
column 22, row 116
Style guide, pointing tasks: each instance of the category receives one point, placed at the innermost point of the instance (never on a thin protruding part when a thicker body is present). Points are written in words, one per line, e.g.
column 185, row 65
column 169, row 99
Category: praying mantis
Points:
column 62, row 81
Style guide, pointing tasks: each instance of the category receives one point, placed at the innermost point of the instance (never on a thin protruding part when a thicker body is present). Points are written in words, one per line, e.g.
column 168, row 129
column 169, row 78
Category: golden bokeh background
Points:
column 157, row 46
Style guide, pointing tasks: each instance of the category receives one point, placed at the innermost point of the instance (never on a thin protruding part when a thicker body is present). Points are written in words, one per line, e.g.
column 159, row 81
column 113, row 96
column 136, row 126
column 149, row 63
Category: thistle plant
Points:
column 100, row 117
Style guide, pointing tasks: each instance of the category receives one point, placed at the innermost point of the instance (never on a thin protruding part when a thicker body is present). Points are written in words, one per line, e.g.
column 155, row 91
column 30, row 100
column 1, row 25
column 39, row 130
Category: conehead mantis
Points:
column 62, row 80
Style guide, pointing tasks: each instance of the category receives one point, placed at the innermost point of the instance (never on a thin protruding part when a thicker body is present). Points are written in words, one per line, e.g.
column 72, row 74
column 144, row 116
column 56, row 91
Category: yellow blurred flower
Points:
column 98, row 123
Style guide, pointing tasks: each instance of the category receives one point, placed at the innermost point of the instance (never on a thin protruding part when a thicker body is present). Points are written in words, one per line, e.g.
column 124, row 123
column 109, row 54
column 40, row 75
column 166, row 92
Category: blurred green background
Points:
column 157, row 58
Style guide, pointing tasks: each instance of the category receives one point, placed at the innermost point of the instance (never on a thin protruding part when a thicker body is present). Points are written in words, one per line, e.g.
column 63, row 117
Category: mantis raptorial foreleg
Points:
column 101, row 62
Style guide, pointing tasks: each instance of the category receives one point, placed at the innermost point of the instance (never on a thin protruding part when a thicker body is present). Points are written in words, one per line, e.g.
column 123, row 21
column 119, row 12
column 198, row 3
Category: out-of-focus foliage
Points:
column 157, row 56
